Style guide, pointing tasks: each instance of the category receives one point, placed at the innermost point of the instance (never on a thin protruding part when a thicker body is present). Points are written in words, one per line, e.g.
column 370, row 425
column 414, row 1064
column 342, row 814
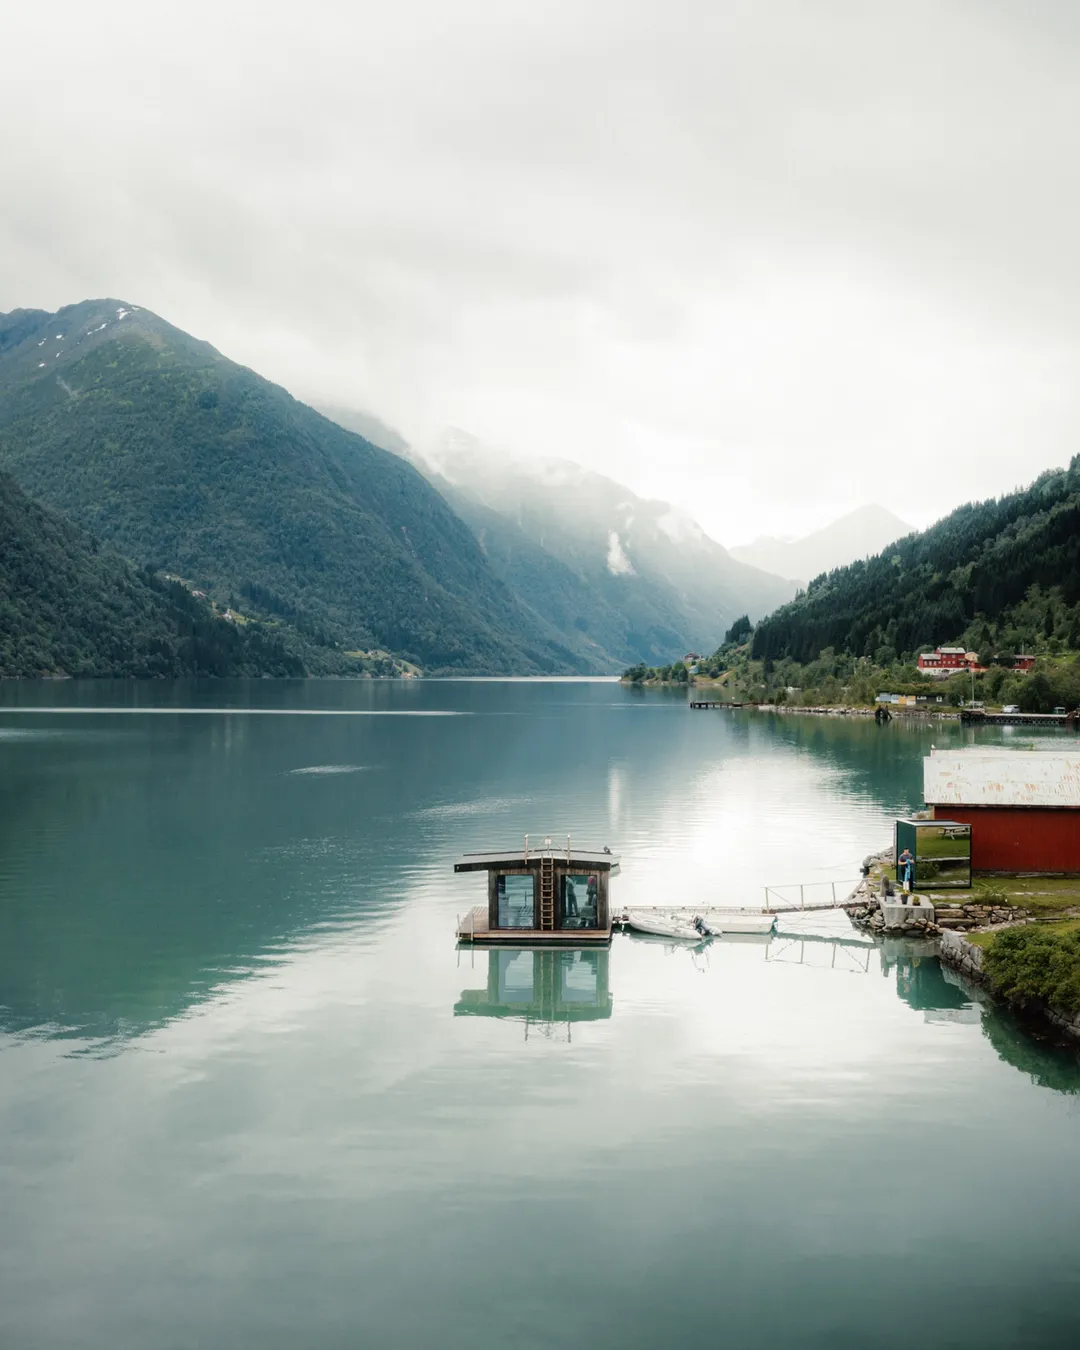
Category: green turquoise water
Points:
column 252, row 1095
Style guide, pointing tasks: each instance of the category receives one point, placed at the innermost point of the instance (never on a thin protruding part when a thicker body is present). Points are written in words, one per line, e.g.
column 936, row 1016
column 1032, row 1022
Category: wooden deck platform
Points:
column 976, row 717
column 474, row 928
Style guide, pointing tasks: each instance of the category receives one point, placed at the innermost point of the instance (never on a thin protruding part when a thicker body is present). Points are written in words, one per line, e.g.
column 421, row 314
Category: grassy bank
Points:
column 1053, row 925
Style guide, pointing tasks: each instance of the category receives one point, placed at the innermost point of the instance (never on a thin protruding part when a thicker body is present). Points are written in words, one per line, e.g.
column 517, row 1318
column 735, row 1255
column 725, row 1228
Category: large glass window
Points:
column 515, row 896
column 580, row 901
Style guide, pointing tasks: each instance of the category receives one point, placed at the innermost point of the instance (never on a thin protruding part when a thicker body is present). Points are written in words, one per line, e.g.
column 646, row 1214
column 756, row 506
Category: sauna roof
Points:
column 587, row 859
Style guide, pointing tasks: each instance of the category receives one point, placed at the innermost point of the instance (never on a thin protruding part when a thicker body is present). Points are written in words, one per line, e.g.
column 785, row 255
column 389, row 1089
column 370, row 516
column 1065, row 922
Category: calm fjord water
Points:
column 250, row 1094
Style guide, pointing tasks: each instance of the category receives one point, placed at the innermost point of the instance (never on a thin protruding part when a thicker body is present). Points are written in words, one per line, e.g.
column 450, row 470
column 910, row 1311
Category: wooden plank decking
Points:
column 474, row 928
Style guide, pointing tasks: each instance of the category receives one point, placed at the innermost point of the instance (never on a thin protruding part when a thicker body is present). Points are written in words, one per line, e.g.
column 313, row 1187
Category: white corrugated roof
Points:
column 995, row 777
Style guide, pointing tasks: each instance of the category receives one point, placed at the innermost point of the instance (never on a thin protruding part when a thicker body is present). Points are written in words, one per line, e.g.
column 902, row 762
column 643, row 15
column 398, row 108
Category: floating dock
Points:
column 475, row 927
column 975, row 717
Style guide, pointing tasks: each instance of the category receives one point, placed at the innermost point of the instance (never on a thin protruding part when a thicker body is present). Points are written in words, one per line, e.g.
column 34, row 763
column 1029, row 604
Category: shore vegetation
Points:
column 1036, row 963
column 838, row 679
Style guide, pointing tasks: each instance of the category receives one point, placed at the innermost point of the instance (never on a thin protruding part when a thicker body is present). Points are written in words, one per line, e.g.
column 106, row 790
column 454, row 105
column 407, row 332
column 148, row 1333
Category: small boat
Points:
column 659, row 923
column 737, row 921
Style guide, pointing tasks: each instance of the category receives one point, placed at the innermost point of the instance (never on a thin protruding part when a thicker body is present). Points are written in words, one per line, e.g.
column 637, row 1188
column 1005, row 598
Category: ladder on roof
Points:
column 547, row 893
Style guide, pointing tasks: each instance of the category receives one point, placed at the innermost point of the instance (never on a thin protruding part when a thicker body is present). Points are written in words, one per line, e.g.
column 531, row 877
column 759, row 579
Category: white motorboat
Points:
column 737, row 921
column 661, row 923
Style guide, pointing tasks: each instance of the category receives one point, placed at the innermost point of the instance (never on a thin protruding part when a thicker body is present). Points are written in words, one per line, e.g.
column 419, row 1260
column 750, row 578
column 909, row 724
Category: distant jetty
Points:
column 976, row 717
column 837, row 710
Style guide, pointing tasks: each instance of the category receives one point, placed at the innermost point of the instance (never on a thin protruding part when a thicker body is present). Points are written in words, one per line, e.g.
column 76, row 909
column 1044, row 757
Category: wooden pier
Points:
column 476, row 927
column 976, row 717
column 714, row 703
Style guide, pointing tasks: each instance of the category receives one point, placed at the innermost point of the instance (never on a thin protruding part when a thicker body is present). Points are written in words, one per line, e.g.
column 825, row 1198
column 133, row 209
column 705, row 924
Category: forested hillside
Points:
column 67, row 607
column 992, row 574
column 186, row 462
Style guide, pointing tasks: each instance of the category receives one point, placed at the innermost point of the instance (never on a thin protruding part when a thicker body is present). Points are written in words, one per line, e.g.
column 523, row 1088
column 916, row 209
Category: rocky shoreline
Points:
column 967, row 957
column 887, row 911
column 869, row 912
column 842, row 710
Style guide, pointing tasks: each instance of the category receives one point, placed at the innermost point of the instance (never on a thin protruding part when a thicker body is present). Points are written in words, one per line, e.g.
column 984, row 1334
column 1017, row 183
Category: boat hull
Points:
column 663, row 925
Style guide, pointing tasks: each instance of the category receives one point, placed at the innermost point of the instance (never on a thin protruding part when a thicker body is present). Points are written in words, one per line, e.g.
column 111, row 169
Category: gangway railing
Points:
column 854, row 958
column 808, row 895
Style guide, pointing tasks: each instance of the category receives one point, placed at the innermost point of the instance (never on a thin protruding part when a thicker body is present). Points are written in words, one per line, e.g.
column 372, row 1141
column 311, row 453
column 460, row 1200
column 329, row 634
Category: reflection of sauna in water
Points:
column 541, row 984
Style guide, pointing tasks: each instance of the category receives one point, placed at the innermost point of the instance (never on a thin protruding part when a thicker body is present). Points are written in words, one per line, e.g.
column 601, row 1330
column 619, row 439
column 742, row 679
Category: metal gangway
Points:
column 808, row 895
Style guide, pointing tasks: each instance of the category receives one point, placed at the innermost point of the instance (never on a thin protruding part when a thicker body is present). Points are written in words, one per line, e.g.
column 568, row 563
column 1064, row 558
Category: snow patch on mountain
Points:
column 619, row 565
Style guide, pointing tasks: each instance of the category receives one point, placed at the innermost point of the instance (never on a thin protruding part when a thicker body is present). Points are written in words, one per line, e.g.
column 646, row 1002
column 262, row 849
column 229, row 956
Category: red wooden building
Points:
column 947, row 661
column 1023, row 806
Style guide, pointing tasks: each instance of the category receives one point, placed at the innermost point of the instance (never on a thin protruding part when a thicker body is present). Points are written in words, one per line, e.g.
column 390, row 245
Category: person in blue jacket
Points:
column 906, row 864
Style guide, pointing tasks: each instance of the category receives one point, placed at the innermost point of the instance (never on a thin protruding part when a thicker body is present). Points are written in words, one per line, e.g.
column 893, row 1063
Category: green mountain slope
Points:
column 68, row 608
column 971, row 575
column 185, row 461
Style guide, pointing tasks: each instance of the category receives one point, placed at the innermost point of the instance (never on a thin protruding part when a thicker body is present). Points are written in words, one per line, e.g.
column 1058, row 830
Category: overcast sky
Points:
column 767, row 260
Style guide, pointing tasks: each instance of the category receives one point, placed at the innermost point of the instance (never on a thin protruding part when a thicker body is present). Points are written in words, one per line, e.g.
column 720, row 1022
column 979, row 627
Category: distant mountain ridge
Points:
column 622, row 579
column 859, row 534
column 184, row 461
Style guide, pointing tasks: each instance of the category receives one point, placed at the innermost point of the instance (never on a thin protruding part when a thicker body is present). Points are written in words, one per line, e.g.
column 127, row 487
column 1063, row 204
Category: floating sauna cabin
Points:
column 543, row 894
